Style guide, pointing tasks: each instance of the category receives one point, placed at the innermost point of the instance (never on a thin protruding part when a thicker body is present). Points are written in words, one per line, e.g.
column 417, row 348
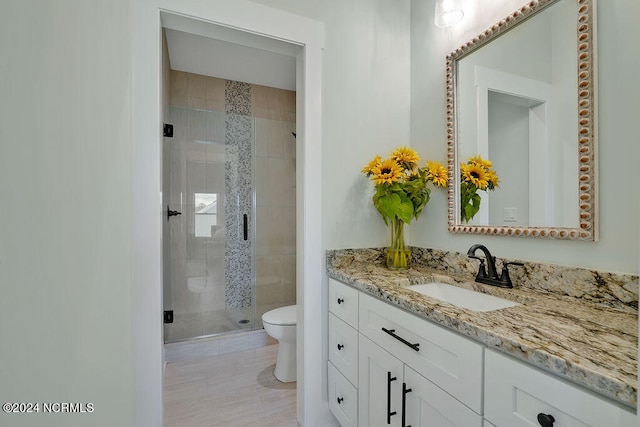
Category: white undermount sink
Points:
column 460, row 297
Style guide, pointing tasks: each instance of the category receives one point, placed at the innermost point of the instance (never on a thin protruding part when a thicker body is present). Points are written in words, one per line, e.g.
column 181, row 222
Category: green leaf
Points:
column 475, row 201
column 405, row 209
column 391, row 204
column 470, row 206
column 388, row 205
column 420, row 201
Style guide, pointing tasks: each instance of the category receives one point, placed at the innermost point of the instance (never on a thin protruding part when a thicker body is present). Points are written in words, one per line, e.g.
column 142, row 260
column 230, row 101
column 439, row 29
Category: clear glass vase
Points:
column 398, row 255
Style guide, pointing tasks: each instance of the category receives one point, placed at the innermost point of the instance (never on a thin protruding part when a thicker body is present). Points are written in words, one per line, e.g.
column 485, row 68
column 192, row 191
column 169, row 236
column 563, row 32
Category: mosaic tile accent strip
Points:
column 239, row 194
column 237, row 98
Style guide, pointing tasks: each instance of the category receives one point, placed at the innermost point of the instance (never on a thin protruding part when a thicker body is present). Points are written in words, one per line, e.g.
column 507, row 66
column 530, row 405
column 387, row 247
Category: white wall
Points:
column 366, row 100
column 365, row 110
column 617, row 250
column 508, row 126
column 65, row 210
column 67, row 181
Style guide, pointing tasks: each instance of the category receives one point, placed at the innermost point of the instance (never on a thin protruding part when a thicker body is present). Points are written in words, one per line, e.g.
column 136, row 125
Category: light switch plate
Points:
column 510, row 214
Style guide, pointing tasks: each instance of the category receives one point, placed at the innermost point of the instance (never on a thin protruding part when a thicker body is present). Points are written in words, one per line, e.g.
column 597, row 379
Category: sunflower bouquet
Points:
column 476, row 174
column 401, row 193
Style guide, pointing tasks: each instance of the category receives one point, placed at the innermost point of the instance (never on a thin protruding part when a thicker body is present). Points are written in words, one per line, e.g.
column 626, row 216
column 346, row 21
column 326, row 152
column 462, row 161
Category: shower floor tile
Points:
column 193, row 325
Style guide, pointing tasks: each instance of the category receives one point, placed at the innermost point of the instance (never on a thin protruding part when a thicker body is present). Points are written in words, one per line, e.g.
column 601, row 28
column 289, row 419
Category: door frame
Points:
column 146, row 298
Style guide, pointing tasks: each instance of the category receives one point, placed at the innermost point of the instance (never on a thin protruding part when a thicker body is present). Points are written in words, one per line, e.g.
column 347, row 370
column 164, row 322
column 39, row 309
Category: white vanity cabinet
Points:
column 343, row 353
column 445, row 358
column 381, row 377
column 516, row 394
column 391, row 393
column 343, row 398
column 343, row 302
column 389, row 367
column 343, row 348
column 416, row 370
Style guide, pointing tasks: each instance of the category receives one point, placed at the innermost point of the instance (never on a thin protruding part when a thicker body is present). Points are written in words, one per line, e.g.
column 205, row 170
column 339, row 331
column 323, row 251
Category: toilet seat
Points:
column 283, row 316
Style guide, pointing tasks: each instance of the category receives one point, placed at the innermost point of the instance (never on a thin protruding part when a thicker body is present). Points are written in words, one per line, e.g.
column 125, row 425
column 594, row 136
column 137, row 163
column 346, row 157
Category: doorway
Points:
column 229, row 247
column 248, row 18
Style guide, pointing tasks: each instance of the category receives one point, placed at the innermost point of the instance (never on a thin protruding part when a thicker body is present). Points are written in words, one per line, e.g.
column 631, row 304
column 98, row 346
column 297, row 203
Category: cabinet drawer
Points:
column 343, row 348
column 343, row 302
column 515, row 393
column 443, row 357
column 343, row 398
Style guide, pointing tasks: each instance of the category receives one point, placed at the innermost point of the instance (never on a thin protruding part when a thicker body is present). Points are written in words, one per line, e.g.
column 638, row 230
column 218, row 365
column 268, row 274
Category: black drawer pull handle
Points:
column 546, row 420
column 340, row 399
column 340, row 300
column 389, row 413
column 340, row 346
column 405, row 390
column 391, row 332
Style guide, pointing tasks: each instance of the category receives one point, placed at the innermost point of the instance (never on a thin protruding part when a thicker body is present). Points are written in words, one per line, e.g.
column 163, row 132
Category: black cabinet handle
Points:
column 340, row 346
column 391, row 332
column 546, row 420
column 405, row 390
column 340, row 399
column 245, row 227
column 340, row 300
column 389, row 413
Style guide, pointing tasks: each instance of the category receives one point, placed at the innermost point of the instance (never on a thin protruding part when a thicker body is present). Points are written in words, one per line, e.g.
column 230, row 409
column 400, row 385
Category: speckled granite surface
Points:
column 579, row 324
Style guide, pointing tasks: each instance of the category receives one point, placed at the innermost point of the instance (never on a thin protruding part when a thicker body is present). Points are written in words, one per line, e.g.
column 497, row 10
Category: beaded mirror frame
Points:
column 587, row 126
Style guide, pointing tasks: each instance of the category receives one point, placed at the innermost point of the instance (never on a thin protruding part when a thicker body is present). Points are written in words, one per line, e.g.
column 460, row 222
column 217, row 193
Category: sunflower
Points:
column 437, row 173
column 406, row 156
column 492, row 179
column 478, row 160
column 368, row 170
column 388, row 171
column 475, row 174
column 401, row 190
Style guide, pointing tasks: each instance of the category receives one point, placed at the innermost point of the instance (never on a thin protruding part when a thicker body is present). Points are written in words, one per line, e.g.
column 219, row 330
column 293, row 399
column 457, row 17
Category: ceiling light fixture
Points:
column 448, row 12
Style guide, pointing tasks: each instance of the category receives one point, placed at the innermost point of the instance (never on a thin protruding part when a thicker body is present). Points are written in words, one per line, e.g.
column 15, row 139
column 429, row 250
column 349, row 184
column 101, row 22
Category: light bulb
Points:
column 448, row 12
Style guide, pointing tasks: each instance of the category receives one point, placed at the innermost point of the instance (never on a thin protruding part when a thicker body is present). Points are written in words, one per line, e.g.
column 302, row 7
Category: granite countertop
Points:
column 591, row 344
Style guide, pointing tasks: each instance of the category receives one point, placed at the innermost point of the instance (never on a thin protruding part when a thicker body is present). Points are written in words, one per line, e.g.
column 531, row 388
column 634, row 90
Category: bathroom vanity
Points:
column 403, row 358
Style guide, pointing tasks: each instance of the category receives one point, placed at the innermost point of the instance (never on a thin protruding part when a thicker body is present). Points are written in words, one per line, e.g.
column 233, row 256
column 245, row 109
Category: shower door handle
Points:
column 171, row 213
column 245, row 227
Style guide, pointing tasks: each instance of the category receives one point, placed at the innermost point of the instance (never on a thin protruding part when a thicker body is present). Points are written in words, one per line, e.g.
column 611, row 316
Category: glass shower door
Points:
column 209, row 282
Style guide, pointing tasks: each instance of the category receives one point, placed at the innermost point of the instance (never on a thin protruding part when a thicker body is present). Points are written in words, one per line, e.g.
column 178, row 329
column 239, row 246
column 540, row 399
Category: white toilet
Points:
column 280, row 323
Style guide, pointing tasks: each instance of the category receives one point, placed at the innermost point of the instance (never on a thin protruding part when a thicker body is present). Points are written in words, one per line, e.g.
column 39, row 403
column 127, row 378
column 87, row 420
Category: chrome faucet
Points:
column 489, row 275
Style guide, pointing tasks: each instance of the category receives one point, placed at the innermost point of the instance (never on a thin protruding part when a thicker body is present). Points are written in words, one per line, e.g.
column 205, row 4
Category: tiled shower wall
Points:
column 275, row 201
column 274, row 113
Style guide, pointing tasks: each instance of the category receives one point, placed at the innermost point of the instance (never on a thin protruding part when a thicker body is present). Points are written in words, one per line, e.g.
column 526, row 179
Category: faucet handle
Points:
column 511, row 263
column 482, row 271
column 505, row 279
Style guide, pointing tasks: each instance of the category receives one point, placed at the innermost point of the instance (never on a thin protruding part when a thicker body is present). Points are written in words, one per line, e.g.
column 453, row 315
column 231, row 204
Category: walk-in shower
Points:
column 229, row 255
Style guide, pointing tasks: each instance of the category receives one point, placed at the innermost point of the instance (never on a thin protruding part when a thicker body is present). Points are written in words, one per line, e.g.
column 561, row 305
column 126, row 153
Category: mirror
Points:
column 522, row 95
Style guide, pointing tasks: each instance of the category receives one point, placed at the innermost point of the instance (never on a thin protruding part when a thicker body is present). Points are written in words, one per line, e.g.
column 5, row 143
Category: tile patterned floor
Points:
column 226, row 381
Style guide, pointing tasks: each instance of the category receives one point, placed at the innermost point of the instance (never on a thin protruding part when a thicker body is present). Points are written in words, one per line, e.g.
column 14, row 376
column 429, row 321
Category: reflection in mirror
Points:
column 511, row 98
